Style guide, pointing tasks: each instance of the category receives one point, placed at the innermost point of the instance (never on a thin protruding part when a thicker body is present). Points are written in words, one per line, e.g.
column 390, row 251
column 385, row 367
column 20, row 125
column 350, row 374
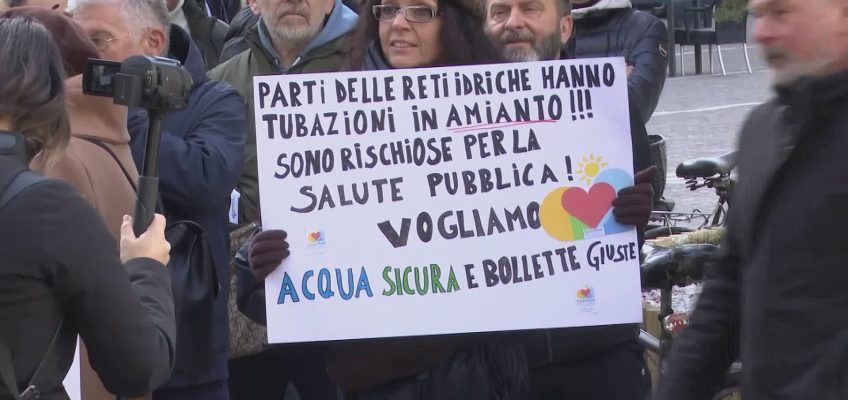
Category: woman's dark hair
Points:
column 32, row 86
column 462, row 37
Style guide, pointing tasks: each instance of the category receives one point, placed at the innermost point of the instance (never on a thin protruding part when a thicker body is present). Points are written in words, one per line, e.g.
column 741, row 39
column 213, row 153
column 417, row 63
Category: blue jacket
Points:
column 200, row 160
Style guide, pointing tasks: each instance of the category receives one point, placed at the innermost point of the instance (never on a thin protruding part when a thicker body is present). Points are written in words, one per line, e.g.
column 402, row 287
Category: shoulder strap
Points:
column 51, row 357
column 7, row 371
column 114, row 156
column 160, row 205
column 21, row 181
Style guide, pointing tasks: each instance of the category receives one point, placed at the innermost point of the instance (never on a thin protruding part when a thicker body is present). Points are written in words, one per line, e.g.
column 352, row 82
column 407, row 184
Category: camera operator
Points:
column 61, row 275
column 97, row 161
column 201, row 153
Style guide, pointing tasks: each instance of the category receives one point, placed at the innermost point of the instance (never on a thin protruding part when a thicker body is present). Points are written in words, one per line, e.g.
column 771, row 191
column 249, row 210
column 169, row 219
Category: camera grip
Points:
column 145, row 204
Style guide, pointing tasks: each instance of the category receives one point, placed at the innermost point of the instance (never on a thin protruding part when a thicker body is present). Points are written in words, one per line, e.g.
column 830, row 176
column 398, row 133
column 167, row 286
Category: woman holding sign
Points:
column 411, row 34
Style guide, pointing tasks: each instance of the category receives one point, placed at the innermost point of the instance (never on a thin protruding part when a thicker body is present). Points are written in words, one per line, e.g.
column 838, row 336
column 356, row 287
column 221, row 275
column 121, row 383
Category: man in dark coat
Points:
column 201, row 152
column 200, row 161
column 224, row 10
column 612, row 28
column 573, row 363
column 207, row 32
column 778, row 294
column 236, row 41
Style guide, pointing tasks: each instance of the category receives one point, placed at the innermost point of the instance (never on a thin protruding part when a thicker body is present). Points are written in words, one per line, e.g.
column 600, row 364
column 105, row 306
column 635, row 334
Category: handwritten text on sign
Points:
column 447, row 200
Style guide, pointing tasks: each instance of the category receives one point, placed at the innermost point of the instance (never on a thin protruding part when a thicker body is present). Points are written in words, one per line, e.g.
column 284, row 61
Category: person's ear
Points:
column 566, row 24
column 155, row 42
column 254, row 6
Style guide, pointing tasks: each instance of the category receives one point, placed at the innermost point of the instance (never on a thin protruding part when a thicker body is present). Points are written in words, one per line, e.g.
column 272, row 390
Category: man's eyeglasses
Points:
column 101, row 43
column 388, row 13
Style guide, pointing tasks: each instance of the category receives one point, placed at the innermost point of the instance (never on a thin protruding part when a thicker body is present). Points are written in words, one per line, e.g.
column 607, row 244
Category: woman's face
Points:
column 410, row 38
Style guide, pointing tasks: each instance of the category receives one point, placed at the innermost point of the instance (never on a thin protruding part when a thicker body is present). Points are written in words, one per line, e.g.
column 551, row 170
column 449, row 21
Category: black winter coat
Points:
column 639, row 37
column 779, row 292
column 208, row 33
column 236, row 40
column 60, row 263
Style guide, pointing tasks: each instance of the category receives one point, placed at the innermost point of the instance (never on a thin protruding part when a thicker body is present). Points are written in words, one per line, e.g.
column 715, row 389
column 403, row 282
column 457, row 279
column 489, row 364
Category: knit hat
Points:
column 74, row 44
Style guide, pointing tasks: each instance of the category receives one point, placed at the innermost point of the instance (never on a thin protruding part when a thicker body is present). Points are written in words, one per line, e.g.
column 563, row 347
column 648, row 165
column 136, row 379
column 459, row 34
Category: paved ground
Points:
column 700, row 115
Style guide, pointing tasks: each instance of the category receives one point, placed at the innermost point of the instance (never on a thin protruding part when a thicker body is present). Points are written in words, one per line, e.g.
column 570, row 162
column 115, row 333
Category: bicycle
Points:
column 714, row 173
column 663, row 269
column 683, row 264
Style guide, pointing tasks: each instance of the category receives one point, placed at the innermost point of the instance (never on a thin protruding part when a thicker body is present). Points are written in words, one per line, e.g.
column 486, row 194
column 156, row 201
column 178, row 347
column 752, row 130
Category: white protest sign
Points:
column 447, row 200
column 73, row 381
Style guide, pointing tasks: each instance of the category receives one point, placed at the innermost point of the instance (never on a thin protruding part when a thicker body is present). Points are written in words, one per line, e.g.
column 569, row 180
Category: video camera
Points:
column 152, row 83
column 159, row 85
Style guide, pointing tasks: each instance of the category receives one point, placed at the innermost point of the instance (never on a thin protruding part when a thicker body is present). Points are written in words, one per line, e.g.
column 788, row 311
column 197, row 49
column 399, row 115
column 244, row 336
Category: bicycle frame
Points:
column 722, row 185
column 660, row 345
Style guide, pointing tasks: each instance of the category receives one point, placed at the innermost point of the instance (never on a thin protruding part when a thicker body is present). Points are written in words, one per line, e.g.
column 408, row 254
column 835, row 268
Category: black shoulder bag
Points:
column 195, row 286
column 21, row 181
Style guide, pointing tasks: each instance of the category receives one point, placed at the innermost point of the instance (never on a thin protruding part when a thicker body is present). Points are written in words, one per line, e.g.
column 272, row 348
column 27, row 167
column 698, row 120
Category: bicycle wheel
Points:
column 664, row 231
column 728, row 392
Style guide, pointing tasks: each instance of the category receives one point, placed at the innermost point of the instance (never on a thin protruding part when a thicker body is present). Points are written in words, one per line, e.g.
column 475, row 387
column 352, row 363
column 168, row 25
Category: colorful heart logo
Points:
column 591, row 207
column 314, row 236
column 584, row 293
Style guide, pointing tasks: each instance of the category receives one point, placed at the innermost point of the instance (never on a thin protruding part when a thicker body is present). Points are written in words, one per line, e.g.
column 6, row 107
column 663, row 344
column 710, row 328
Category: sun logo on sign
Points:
column 589, row 168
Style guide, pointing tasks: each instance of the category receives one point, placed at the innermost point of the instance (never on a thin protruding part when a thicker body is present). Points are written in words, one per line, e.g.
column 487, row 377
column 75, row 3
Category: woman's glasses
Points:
column 388, row 13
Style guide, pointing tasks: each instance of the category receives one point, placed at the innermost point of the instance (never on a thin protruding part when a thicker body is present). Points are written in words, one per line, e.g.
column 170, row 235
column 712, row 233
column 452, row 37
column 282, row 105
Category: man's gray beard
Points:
column 792, row 73
column 297, row 34
column 795, row 70
column 549, row 50
column 521, row 55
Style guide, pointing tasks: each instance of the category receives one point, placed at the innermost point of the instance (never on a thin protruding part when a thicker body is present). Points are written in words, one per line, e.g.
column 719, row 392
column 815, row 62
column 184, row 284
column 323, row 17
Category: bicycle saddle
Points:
column 676, row 265
column 707, row 167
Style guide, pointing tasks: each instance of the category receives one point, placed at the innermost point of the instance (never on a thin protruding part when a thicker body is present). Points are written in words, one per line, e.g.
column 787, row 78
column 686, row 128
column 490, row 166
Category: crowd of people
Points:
column 73, row 266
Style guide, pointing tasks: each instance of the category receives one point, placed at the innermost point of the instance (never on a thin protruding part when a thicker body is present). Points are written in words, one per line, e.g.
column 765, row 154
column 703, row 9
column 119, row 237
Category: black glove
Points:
column 634, row 204
column 267, row 250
